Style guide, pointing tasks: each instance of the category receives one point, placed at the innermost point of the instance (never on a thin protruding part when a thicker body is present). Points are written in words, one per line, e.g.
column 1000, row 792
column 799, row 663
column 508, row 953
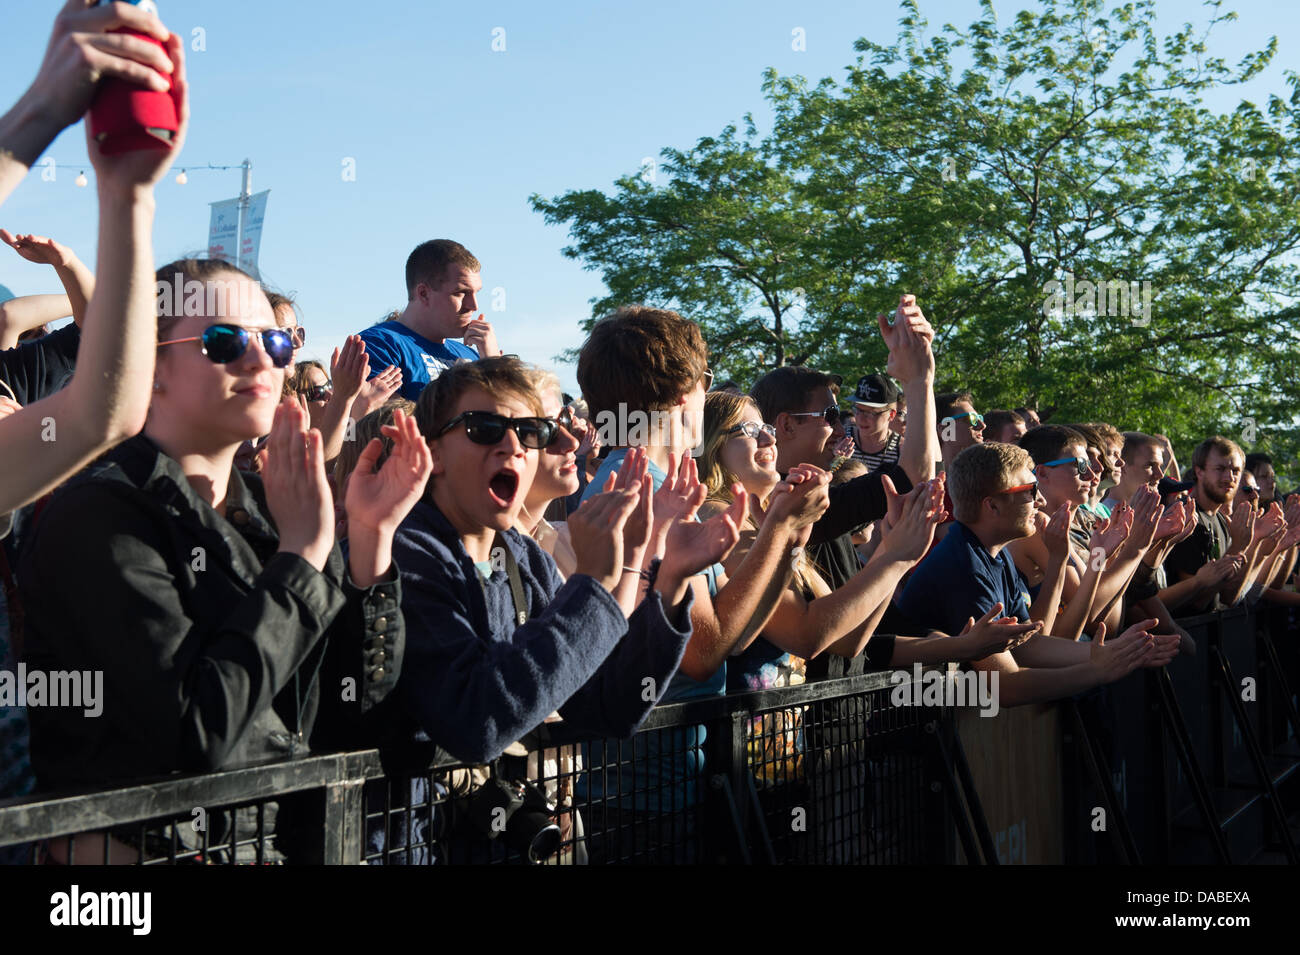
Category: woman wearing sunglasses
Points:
column 811, row 618
column 227, row 623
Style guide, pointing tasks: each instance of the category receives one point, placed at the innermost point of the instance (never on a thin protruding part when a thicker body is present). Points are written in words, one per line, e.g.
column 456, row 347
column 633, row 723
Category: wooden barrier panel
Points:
column 1015, row 760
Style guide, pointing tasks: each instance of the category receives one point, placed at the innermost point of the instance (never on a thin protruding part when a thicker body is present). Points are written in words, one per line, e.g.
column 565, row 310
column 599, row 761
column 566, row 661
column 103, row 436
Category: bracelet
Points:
column 632, row 570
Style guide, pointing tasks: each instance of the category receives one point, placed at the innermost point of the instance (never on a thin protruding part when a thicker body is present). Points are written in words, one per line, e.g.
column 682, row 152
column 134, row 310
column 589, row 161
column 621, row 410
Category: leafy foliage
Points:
column 1074, row 146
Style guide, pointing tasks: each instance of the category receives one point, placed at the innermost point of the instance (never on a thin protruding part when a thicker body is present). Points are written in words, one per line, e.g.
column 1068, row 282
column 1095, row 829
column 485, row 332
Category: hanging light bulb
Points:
column 181, row 178
column 82, row 180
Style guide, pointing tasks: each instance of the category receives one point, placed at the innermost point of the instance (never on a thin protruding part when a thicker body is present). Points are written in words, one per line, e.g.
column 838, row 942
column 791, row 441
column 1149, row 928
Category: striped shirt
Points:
column 886, row 455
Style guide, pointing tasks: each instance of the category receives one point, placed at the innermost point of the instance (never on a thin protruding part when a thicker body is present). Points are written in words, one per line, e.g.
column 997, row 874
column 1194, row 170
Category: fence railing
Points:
column 1197, row 762
column 829, row 771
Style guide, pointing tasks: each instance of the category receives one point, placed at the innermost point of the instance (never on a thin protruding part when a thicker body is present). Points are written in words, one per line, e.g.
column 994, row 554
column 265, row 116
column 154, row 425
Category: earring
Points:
column 157, row 386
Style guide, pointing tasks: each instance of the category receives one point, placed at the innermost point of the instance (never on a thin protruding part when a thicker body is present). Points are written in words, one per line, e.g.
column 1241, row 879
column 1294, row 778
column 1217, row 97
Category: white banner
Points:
column 223, row 231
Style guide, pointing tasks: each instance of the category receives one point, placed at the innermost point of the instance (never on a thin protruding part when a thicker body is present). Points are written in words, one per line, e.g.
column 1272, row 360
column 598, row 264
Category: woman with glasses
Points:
column 220, row 611
column 811, row 618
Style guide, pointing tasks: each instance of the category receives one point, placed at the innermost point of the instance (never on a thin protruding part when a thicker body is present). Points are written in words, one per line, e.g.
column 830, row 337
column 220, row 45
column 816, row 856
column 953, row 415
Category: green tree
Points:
column 1010, row 177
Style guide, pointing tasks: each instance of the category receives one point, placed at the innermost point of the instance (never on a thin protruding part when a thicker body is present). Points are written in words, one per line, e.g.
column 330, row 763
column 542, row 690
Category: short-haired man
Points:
column 1225, row 528
column 442, row 284
column 644, row 373
column 996, row 495
column 496, row 640
column 1004, row 426
column 875, row 401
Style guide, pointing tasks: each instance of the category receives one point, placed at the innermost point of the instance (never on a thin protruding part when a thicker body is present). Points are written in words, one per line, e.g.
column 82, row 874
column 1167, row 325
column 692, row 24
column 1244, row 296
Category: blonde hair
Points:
column 981, row 471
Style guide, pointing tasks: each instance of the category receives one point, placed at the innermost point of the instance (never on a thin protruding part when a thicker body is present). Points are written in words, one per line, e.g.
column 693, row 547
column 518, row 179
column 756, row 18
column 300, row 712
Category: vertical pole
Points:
column 244, row 192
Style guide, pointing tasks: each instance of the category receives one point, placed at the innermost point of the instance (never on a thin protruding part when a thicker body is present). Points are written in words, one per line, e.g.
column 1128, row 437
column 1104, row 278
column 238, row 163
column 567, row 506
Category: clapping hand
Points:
column 297, row 493
column 348, row 369
column 376, row 391
column 991, row 634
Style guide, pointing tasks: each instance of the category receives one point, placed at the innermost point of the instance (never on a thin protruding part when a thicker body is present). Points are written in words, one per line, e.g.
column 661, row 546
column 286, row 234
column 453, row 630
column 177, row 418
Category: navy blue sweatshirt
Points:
column 474, row 681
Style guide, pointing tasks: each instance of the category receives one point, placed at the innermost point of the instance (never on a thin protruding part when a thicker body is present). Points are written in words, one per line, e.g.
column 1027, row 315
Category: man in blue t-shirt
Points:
column 995, row 495
column 442, row 285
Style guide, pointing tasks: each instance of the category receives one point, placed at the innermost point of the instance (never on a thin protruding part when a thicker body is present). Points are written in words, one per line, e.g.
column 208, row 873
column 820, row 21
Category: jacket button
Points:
column 378, row 656
column 377, row 674
column 377, row 642
column 380, row 624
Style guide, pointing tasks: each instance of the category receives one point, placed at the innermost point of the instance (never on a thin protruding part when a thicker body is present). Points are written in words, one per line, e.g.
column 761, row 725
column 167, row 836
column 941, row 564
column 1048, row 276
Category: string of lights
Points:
column 182, row 172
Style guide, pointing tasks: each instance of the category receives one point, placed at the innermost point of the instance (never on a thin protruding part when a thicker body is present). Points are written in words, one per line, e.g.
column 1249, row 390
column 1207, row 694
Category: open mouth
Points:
column 765, row 458
column 503, row 486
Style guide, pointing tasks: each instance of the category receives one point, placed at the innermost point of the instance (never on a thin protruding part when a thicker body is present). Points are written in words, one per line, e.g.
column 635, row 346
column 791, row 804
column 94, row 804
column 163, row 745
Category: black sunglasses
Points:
column 224, row 343
column 488, row 427
column 319, row 393
column 831, row 413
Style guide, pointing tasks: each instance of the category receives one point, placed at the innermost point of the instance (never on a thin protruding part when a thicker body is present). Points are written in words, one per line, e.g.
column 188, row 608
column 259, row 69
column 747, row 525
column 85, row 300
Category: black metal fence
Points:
column 824, row 772
column 1197, row 762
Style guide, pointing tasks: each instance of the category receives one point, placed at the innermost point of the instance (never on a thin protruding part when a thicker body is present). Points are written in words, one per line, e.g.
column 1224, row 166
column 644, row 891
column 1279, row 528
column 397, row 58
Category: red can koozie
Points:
column 126, row 116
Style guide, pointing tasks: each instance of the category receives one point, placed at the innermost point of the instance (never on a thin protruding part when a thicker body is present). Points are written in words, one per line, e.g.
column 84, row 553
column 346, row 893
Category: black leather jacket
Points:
column 215, row 649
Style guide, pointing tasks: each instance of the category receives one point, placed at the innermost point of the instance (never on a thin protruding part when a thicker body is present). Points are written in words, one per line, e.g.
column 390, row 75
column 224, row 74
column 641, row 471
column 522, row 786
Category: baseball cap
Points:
column 1169, row 486
column 876, row 391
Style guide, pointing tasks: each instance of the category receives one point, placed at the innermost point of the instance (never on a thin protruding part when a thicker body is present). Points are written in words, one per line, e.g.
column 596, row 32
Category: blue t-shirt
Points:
column 959, row 580
column 662, row 768
column 421, row 361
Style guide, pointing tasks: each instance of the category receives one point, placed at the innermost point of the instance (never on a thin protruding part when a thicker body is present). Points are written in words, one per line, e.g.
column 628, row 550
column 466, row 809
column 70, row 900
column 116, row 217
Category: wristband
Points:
column 631, row 570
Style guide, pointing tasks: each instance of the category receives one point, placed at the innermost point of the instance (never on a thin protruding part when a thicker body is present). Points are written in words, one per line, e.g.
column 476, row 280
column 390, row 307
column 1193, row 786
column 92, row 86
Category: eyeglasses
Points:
column 1031, row 486
column 299, row 336
column 976, row 419
column 488, row 428
column 752, row 429
column 1081, row 464
column 831, row 413
column 224, row 343
column 708, row 379
column 1250, row 492
column 562, row 420
column 319, row 392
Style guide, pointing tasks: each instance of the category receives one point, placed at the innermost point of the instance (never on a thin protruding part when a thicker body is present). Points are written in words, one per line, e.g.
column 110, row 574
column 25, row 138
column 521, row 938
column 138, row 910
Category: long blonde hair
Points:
column 722, row 412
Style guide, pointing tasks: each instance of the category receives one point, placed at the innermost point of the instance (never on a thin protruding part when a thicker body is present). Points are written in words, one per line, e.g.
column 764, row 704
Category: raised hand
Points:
column 37, row 248
column 596, row 534
column 588, row 435
column 297, row 493
column 82, row 50
column 1241, row 526
column 1267, row 523
column 8, row 406
column 1171, row 522
column 908, row 340
column 1108, row 534
column 633, row 476
column 381, row 499
column 908, row 538
column 1056, row 531
column 376, row 391
column 692, row 547
column 1125, row 653
column 801, row 498
column 1145, row 503
column 1292, row 511
column 348, row 368
column 992, row 634
column 479, row 335
column 143, row 167
column 680, row 494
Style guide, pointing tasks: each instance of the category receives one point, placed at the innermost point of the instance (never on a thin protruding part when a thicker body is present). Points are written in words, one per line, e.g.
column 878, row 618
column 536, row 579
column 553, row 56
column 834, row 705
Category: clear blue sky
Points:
column 450, row 138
